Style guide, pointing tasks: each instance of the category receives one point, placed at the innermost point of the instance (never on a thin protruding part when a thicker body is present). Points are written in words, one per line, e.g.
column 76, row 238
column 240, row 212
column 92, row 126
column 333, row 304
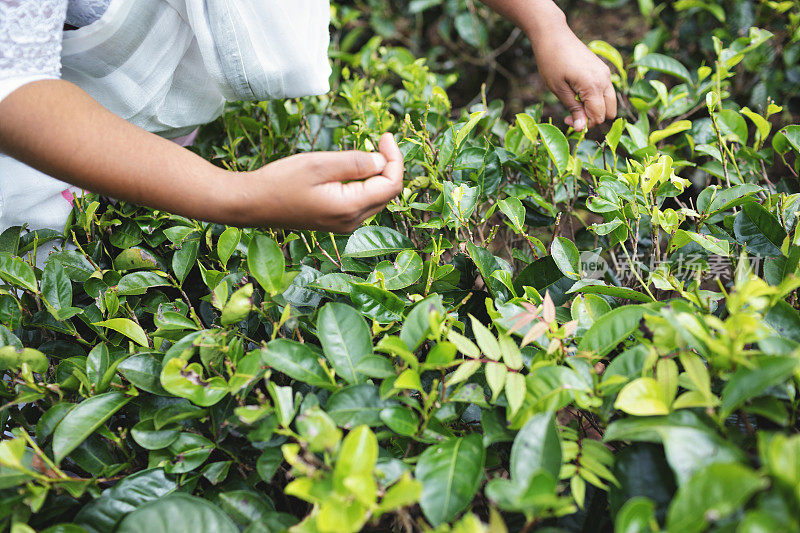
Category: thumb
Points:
column 378, row 190
column 567, row 96
column 347, row 166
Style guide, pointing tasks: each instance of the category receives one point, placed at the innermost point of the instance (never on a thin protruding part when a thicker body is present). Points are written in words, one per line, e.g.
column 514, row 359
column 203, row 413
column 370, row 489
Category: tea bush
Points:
column 543, row 332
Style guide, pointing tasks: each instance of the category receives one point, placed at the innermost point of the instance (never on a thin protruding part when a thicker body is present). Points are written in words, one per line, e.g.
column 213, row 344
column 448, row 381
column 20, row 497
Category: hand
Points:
column 570, row 69
column 329, row 191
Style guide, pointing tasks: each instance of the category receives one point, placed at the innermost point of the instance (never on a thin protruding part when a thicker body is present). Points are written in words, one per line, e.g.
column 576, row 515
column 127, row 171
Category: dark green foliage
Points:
column 544, row 330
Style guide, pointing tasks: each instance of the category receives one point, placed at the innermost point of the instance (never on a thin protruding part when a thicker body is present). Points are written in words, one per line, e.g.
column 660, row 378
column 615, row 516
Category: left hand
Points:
column 570, row 69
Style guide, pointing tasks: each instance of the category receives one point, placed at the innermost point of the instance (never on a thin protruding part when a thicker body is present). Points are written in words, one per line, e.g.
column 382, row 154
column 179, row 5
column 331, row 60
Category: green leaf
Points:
column 731, row 123
column 408, row 379
column 417, row 324
column 56, row 286
column 84, row 420
column 149, row 438
column 128, row 259
column 138, row 283
column 471, row 29
column 514, row 210
column 318, row 430
column 643, row 397
column 184, row 259
column 486, row 341
column 615, row 134
column 401, row 420
column 611, row 329
column 376, row 366
column 376, row 303
column 97, row 362
column 189, row 451
column 104, row 513
column 689, row 444
column 665, row 64
column 747, row 383
column 402, row 494
column 451, row 473
column 673, row 129
column 712, row 244
column 266, row 263
column 76, row 266
column 567, row 257
column 474, row 118
column 144, row 372
column 172, row 321
column 227, row 244
column 371, row 241
column 127, row 327
column 186, row 381
column 788, row 137
column 268, row 463
column 588, row 287
column 556, row 145
column 297, row 361
column 404, row 271
column 759, row 229
column 177, row 513
column 12, row 358
column 785, row 320
column 515, row 392
column 763, row 126
column 345, row 339
column 17, row 272
column 356, row 405
column 715, row 9
column 177, row 412
column 713, row 493
column 246, row 506
column 496, row 378
column 528, row 126
column 239, row 306
column 536, row 447
column 637, row 515
column 358, row 454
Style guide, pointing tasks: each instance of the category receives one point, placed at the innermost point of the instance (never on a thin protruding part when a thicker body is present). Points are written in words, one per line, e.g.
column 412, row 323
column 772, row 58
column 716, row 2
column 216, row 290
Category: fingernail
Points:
column 379, row 160
column 580, row 124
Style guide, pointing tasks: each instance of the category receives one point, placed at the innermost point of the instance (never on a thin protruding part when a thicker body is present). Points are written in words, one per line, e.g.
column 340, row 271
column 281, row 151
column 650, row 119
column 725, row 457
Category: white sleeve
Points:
column 30, row 42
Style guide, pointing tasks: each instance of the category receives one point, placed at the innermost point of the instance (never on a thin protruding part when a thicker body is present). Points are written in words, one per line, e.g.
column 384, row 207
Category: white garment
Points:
column 81, row 13
column 30, row 41
column 164, row 65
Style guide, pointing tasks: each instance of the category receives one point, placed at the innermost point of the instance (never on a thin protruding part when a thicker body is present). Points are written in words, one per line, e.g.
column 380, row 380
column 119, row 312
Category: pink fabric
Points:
column 67, row 194
column 186, row 140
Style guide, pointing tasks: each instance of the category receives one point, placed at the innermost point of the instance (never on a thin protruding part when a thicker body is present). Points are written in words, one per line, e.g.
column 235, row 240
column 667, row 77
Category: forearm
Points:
column 58, row 129
column 537, row 18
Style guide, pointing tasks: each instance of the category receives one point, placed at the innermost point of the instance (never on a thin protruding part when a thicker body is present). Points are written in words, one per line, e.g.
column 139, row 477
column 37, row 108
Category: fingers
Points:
column 577, row 118
column 345, row 166
column 595, row 106
column 377, row 191
column 611, row 102
column 394, row 158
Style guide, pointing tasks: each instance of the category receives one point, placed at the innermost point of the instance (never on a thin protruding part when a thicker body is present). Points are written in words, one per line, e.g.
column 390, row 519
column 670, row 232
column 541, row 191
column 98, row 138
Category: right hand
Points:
column 328, row 191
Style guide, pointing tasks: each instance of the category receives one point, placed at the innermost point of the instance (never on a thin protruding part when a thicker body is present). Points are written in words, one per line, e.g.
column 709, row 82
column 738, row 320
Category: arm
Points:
column 568, row 67
column 56, row 127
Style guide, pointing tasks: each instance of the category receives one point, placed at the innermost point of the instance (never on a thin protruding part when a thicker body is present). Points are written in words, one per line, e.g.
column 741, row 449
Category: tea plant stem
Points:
column 722, row 149
column 636, row 273
column 186, row 299
column 50, row 464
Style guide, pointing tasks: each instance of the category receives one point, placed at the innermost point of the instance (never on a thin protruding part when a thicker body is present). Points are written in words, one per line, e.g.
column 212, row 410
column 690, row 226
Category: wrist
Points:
column 231, row 195
column 548, row 22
